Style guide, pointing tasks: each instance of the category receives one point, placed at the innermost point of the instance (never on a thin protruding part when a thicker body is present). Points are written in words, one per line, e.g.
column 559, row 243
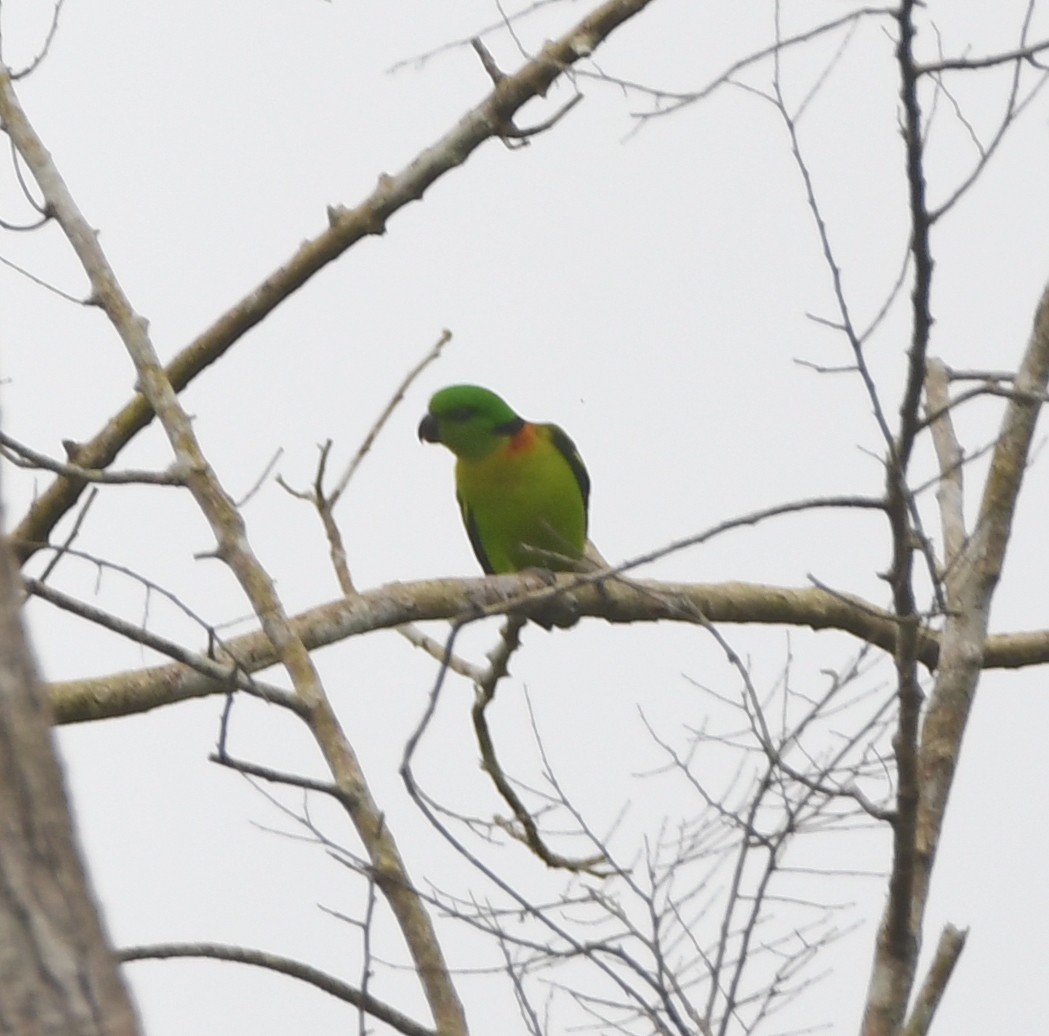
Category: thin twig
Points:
column 45, row 47
column 283, row 966
column 25, row 457
column 63, row 549
column 377, row 427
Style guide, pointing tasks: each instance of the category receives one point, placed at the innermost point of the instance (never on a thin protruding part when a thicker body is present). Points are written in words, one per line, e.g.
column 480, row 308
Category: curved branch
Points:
column 527, row 831
column 283, row 966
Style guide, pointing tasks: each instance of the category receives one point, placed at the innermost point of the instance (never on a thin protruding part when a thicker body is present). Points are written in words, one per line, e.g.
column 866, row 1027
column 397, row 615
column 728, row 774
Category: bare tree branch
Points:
column 120, row 694
column 25, row 457
column 948, row 951
column 526, row 830
column 380, row 422
column 284, row 966
column 950, row 492
column 898, row 939
column 223, row 670
column 970, row 586
column 966, row 64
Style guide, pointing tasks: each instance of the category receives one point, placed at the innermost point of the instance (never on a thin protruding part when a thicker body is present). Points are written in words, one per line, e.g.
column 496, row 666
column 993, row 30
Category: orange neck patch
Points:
column 523, row 441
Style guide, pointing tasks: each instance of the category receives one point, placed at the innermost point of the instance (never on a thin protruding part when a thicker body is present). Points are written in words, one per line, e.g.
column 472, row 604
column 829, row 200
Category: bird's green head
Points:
column 469, row 420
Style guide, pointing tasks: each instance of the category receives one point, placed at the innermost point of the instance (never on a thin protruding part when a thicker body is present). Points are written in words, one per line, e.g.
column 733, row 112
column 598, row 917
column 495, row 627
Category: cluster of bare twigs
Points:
column 709, row 916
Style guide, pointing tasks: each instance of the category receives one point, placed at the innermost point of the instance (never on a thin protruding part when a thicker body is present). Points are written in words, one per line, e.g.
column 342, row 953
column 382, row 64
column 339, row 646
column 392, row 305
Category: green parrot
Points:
column 522, row 488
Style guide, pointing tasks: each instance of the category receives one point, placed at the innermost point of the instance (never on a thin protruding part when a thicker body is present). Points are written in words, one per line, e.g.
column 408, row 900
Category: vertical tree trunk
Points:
column 57, row 974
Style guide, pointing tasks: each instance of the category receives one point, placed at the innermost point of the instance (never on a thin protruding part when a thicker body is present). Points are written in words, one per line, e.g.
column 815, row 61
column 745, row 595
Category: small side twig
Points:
column 23, row 456
column 508, row 131
column 266, row 773
column 45, row 47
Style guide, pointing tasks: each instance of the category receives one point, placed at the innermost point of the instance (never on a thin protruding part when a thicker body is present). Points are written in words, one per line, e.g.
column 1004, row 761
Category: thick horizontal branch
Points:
column 456, row 599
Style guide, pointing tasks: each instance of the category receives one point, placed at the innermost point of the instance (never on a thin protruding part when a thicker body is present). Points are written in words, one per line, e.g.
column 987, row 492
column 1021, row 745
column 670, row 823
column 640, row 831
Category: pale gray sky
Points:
column 647, row 288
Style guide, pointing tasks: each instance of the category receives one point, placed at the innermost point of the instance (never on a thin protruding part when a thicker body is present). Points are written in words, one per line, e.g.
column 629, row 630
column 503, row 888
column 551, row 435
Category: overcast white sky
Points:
column 648, row 288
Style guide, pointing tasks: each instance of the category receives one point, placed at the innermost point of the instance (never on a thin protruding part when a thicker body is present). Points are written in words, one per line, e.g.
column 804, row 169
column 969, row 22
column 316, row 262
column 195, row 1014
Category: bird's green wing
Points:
column 475, row 536
column 567, row 449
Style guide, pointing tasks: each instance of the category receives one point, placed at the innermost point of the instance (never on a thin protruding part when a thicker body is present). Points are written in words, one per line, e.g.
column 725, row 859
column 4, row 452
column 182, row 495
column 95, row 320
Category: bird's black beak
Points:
column 428, row 430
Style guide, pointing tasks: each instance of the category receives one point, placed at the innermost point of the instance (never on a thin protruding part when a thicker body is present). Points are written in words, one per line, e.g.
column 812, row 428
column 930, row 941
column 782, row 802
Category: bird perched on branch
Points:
column 522, row 488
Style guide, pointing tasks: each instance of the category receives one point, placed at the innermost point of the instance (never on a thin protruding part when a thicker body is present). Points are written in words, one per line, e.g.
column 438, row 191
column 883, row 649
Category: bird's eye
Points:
column 462, row 413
